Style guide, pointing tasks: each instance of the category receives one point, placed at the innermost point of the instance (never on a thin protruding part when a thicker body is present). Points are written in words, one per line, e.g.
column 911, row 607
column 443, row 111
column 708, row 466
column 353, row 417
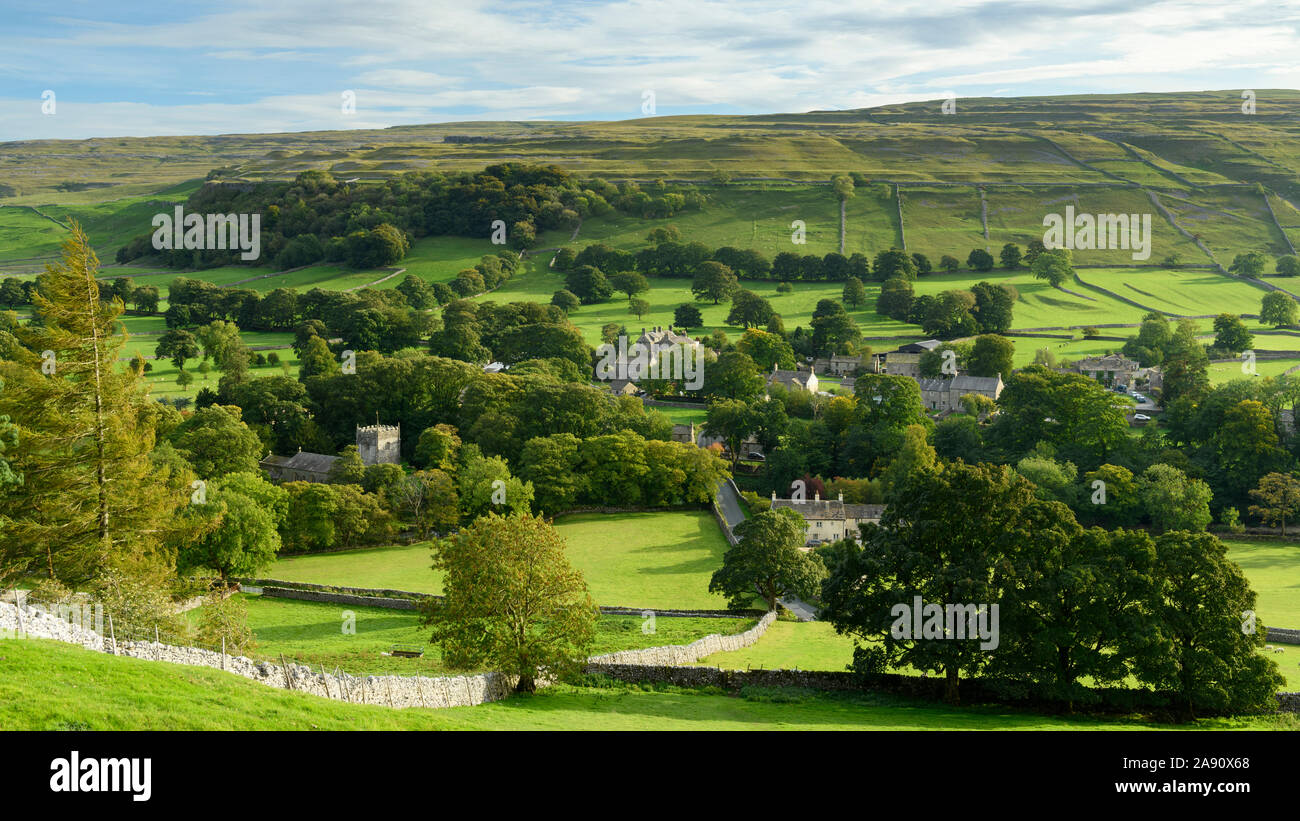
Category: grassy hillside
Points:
column 82, row 690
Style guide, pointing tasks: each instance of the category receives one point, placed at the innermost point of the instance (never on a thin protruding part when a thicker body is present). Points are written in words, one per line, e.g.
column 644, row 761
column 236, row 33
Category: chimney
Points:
column 817, row 495
column 841, row 496
column 774, row 364
column 774, row 495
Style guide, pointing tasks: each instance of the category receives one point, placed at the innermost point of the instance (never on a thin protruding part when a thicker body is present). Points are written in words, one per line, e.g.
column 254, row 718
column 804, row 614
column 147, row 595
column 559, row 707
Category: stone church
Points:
column 377, row 444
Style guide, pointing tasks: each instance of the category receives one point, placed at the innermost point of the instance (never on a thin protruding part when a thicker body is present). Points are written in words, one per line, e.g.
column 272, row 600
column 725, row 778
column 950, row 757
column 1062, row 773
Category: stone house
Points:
column 943, row 394
column 906, row 361
column 838, row 365
column 793, row 380
column 829, row 520
column 1109, row 370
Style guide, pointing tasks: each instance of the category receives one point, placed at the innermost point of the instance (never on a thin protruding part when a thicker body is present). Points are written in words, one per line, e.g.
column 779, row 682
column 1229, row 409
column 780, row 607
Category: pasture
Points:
column 84, row 690
column 644, row 560
column 313, row 633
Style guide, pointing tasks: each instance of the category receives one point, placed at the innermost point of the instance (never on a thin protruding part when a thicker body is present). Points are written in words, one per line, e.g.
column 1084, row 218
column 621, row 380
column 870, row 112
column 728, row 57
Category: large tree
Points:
column 942, row 539
column 1278, row 499
column 92, row 500
column 714, row 281
column 768, row 558
column 1210, row 640
column 512, row 602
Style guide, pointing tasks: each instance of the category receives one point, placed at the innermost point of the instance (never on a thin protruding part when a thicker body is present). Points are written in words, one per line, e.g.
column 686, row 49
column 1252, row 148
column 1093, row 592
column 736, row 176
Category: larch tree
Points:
column 91, row 500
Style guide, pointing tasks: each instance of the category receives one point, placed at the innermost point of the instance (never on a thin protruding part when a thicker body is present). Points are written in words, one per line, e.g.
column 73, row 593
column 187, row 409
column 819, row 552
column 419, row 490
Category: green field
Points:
column 789, row 645
column 1273, row 568
column 51, row 686
column 644, row 560
column 313, row 633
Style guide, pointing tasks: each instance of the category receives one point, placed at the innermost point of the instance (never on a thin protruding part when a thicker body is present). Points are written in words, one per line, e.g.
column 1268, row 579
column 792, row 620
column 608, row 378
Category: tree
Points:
column 1231, row 333
column 843, row 186
column 216, row 441
column 748, row 309
column 1250, row 264
column 241, row 515
column 511, row 601
column 178, row 345
column 993, row 306
column 223, row 344
column 833, row 328
column 991, row 355
column 1209, row 650
column 732, row 375
column 895, row 299
column 639, row 307
column 589, row 283
column 630, row 283
column 855, row 293
column 1011, row 256
column 184, row 379
column 980, row 260
column 915, row 455
column 893, row 263
column 943, row 537
column 687, row 316
column 566, row 301
column 438, row 447
column 949, row 263
column 1278, row 309
column 714, row 281
column 1075, row 414
column 93, row 503
column 1288, row 266
column 766, row 349
column 1278, row 495
column 1054, row 266
column 733, row 420
column 768, row 558
column 429, row 501
column 1172, row 501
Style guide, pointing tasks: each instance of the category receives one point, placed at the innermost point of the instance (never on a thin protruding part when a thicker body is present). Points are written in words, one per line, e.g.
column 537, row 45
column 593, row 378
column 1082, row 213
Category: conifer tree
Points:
column 91, row 498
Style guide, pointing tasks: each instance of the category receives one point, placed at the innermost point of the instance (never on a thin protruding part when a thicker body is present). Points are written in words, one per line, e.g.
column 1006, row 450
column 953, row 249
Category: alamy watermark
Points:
column 679, row 361
column 1094, row 232
column 919, row 620
column 210, row 232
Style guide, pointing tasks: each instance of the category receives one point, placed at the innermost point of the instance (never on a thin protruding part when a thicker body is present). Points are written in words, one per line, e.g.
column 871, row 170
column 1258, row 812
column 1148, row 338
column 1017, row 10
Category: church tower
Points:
column 380, row 444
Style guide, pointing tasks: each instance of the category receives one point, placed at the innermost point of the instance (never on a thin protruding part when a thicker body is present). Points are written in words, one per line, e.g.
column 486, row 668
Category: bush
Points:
column 225, row 618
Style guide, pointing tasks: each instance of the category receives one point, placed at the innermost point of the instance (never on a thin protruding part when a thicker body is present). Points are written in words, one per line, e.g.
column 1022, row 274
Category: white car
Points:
column 1141, row 417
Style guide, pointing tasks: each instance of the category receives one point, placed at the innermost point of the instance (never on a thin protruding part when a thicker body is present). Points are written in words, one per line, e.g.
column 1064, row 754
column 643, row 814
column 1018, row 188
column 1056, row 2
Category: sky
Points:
column 75, row 69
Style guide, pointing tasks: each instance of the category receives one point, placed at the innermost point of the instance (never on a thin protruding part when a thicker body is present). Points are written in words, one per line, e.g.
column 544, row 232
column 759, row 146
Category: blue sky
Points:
column 150, row 68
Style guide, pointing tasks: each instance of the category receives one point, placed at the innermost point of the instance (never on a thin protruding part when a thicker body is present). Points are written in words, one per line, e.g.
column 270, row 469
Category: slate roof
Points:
column 830, row 509
column 303, row 461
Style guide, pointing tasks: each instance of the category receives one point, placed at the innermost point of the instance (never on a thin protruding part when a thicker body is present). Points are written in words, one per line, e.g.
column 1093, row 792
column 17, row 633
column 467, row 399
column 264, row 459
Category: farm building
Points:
column 906, row 361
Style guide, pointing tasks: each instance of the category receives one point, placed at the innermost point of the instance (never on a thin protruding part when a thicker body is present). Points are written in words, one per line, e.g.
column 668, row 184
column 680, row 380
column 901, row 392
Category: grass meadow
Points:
column 84, row 690
column 644, row 560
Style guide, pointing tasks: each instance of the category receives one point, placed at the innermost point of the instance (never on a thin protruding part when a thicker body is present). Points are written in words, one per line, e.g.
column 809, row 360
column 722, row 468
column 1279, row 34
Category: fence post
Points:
column 155, row 635
column 112, row 635
column 223, row 652
column 22, row 626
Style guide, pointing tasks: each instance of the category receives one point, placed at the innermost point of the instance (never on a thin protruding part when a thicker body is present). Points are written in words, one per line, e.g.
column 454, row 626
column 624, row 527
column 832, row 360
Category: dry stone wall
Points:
column 390, row 691
column 683, row 654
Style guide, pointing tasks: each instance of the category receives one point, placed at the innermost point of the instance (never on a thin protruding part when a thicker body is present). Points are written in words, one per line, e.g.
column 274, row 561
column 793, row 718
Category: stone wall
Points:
column 682, row 654
column 1282, row 635
column 390, row 691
